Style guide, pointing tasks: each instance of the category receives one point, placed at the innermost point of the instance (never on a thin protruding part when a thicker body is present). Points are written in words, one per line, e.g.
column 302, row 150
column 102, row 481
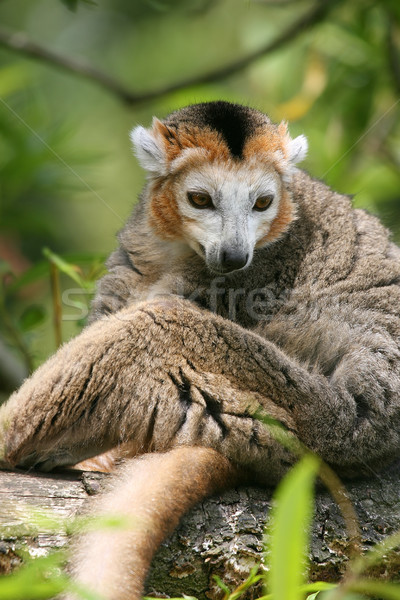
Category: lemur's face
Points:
column 227, row 210
column 219, row 180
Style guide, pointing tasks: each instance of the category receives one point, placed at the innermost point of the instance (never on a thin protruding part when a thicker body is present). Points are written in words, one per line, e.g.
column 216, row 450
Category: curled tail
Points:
column 152, row 492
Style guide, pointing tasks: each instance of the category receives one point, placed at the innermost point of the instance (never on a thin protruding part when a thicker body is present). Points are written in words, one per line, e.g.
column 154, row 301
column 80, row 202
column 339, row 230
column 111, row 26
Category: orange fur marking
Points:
column 165, row 217
column 176, row 140
column 286, row 214
column 269, row 141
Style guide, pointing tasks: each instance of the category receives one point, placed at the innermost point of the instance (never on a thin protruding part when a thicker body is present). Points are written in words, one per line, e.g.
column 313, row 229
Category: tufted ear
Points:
column 149, row 148
column 297, row 149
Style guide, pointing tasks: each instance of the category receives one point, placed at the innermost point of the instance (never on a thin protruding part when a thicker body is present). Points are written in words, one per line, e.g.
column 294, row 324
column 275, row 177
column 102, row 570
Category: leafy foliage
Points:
column 39, row 579
column 288, row 531
column 338, row 82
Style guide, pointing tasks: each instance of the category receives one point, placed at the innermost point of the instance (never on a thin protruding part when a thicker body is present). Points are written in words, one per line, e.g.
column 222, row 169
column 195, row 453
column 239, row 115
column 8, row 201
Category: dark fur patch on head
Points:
column 235, row 123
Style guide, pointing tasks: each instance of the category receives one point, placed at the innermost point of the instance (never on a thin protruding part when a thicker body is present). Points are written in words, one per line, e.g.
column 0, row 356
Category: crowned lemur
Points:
column 240, row 283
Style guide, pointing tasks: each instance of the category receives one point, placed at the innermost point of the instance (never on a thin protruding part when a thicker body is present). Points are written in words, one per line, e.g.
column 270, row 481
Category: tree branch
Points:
column 19, row 42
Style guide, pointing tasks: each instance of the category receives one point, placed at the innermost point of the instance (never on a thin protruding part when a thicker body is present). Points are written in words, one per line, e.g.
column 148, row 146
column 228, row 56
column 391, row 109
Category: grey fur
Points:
column 310, row 332
column 329, row 300
column 320, row 351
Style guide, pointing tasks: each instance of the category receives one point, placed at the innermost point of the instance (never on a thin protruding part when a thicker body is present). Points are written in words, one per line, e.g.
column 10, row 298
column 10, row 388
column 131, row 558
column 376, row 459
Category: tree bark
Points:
column 222, row 536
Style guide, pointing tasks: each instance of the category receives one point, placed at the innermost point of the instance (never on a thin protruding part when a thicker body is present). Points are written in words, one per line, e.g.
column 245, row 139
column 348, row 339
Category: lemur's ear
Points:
column 149, row 148
column 297, row 149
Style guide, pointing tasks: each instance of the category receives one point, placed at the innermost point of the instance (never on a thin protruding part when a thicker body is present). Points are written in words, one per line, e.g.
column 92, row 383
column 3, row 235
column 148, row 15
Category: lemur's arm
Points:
column 116, row 289
column 142, row 377
column 114, row 562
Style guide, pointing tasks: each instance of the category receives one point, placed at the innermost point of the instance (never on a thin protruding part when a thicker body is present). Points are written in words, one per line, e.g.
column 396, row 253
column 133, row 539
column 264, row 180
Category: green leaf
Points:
column 32, row 317
column 290, row 522
column 316, row 586
column 177, row 598
column 158, row 5
column 252, row 579
column 41, row 269
column 37, row 580
column 343, row 596
column 280, row 433
column 13, row 78
column 377, row 589
column 71, row 4
column 221, row 584
column 374, row 555
column 347, row 596
column 65, row 267
column 5, row 268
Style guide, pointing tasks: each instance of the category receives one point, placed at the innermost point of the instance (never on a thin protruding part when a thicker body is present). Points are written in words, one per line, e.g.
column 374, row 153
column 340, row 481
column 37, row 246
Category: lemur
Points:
column 240, row 283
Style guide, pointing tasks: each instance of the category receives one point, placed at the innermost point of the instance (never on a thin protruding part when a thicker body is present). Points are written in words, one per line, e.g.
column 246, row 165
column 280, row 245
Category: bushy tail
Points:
column 152, row 493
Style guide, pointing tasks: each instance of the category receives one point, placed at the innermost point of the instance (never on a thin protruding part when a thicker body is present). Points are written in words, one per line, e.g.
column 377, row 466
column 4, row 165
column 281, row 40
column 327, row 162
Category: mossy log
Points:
column 222, row 536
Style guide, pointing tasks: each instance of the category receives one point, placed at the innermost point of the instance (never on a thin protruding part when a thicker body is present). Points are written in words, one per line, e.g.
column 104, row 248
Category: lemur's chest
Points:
column 245, row 305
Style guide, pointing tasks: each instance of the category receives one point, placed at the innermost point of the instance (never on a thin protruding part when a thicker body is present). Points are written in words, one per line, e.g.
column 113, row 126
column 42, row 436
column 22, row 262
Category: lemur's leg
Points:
column 152, row 492
column 165, row 373
column 158, row 375
column 106, row 462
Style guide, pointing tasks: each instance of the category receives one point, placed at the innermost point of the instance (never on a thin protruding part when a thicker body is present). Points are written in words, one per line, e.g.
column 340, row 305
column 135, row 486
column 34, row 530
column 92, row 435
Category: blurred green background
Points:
column 68, row 179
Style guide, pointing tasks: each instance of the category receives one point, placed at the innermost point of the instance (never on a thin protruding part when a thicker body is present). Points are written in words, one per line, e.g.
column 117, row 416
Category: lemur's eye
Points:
column 263, row 202
column 200, row 200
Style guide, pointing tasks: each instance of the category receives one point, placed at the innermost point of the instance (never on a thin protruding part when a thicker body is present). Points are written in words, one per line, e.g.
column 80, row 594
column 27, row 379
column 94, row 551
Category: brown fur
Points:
column 309, row 332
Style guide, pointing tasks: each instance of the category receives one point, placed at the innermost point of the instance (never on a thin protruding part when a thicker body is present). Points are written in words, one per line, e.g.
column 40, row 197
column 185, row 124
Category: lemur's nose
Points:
column 232, row 260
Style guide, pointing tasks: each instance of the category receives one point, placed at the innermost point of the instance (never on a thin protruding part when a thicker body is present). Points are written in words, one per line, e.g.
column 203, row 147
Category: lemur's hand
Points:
column 15, row 451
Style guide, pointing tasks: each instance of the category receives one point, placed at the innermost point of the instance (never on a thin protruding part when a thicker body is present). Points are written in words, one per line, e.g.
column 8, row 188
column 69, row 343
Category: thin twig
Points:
column 339, row 493
column 19, row 42
column 328, row 477
column 56, row 295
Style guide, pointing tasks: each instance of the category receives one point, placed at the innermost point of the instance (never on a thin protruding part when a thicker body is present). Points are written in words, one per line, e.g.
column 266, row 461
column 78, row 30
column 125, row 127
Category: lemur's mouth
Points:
column 225, row 271
column 218, row 269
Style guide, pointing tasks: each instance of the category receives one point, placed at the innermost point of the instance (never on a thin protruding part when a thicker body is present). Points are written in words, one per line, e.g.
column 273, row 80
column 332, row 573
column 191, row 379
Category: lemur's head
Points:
column 219, row 180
